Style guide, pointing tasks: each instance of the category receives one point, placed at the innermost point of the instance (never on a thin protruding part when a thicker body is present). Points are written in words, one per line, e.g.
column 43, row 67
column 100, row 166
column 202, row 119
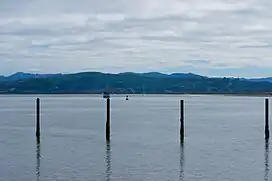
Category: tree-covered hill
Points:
column 147, row 83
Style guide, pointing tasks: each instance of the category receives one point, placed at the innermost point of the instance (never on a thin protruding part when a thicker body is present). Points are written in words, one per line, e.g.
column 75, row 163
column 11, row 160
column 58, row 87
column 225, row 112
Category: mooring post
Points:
column 108, row 120
column 181, row 120
column 266, row 119
column 38, row 118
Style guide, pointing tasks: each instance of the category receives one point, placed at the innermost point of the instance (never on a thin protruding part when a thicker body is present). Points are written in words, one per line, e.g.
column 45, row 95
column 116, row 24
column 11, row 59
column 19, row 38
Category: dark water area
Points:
column 224, row 139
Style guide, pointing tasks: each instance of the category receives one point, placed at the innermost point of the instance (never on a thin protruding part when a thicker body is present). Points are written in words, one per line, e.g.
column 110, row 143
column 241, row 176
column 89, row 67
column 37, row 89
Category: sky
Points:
column 208, row 37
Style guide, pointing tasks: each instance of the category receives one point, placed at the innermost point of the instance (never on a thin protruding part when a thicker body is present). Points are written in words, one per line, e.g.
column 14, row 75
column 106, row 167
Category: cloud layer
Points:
column 136, row 35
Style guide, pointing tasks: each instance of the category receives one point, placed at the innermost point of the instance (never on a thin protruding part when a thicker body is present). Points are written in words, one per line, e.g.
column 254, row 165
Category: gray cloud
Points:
column 142, row 35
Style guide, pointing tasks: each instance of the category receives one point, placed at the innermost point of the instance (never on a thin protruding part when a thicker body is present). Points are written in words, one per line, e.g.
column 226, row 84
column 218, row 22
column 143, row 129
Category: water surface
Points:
column 224, row 139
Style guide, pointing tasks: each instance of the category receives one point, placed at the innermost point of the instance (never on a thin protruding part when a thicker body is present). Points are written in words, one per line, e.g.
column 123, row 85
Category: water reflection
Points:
column 108, row 161
column 266, row 159
column 38, row 159
column 181, row 160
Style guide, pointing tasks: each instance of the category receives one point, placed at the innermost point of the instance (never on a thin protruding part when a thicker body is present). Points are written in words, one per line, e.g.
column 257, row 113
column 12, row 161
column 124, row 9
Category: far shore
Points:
column 146, row 94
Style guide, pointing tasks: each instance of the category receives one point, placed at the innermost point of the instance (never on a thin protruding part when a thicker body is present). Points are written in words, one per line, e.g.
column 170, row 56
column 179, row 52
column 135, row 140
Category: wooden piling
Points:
column 266, row 119
column 181, row 120
column 108, row 120
column 38, row 118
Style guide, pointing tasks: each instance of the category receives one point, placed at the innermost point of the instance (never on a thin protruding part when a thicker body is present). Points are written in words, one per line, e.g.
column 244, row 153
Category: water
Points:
column 224, row 139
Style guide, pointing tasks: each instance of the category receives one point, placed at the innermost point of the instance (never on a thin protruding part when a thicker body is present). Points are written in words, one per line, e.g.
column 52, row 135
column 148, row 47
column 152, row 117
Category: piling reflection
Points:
column 38, row 159
column 108, row 161
column 181, row 160
column 266, row 160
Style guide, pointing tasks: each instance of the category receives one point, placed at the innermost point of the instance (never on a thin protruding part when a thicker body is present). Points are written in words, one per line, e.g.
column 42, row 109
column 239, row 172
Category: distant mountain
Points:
column 23, row 76
column 128, row 73
column 187, row 75
column 20, row 76
column 154, row 74
column 173, row 75
column 149, row 83
column 268, row 79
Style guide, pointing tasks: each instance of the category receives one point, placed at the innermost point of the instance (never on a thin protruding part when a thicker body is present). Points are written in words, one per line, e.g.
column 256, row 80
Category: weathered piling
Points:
column 266, row 160
column 38, row 159
column 108, row 120
column 266, row 119
column 108, row 161
column 38, row 118
column 181, row 120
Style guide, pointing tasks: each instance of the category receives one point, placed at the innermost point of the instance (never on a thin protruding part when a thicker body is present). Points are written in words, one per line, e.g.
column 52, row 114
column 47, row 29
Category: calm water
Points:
column 224, row 139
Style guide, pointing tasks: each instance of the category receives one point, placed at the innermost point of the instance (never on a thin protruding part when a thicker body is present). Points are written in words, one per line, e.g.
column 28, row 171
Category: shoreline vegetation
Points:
column 133, row 83
column 147, row 94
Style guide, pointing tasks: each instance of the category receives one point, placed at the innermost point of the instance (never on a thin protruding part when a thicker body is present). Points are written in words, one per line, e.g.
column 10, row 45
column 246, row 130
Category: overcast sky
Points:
column 209, row 37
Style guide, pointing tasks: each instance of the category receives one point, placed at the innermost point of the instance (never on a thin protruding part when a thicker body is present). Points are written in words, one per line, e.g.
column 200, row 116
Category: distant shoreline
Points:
column 133, row 83
column 86, row 93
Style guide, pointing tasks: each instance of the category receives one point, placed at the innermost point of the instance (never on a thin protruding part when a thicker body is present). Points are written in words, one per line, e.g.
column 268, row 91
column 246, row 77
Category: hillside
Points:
column 268, row 79
column 96, row 82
